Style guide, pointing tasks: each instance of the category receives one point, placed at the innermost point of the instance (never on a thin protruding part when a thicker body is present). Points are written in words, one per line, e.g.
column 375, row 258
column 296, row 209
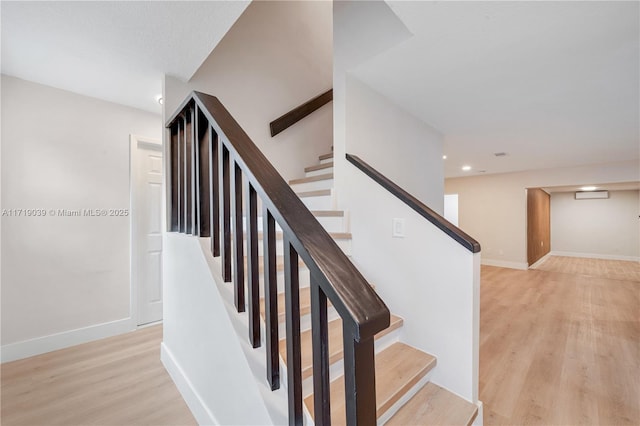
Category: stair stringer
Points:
column 276, row 402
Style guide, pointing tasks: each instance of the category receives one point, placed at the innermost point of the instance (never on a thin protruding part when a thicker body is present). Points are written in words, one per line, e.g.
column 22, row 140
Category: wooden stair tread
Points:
column 305, row 303
column 318, row 193
column 279, row 264
column 279, row 235
column 325, row 156
column 317, row 178
column 318, row 167
column 328, row 213
column 398, row 369
column 335, row 344
column 433, row 405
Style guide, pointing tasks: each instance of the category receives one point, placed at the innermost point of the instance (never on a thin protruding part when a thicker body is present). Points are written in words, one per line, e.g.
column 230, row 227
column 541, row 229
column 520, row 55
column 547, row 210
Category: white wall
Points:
column 64, row 276
column 277, row 56
column 204, row 339
column 493, row 208
column 597, row 228
column 394, row 142
column 361, row 30
column 427, row 278
column 451, row 208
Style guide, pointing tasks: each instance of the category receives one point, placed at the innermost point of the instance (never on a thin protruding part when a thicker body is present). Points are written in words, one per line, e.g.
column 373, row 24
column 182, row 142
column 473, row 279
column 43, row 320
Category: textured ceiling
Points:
column 551, row 84
column 112, row 50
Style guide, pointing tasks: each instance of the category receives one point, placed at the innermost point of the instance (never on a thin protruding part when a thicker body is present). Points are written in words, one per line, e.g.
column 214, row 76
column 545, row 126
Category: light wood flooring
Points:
column 555, row 348
column 560, row 347
column 612, row 269
column 115, row 381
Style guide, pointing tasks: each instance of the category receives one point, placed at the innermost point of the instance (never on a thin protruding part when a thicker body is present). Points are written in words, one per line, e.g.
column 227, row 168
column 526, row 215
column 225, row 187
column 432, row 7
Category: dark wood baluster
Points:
column 196, row 171
column 182, row 215
column 215, row 191
column 189, row 190
column 253, row 274
column 271, row 298
column 175, row 173
column 225, row 207
column 238, row 233
column 320, row 347
column 292, row 298
column 203, row 130
column 360, row 380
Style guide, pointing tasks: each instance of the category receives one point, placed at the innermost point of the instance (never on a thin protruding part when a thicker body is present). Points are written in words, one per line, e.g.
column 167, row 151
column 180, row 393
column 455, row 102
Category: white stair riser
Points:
column 305, row 280
column 344, row 244
column 405, row 398
column 327, row 160
column 260, row 224
column 324, row 202
column 330, row 223
column 305, row 320
column 318, row 172
column 313, row 186
column 333, row 223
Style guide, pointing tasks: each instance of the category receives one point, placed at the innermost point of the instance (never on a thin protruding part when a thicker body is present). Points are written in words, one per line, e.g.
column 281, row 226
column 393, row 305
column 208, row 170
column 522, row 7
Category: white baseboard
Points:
column 540, row 261
column 505, row 264
column 53, row 342
column 195, row 403
column 596, row 256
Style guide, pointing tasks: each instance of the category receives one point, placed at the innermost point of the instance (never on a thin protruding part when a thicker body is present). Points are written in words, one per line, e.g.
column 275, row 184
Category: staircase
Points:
column 285, row 250
column 404, row 395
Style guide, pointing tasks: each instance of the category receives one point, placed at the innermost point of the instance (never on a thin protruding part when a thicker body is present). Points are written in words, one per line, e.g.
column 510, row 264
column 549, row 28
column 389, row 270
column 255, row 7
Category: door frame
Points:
column 134, row 142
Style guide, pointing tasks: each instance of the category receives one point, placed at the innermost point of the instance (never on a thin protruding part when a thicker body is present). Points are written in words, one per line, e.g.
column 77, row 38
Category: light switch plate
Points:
column 397, row 228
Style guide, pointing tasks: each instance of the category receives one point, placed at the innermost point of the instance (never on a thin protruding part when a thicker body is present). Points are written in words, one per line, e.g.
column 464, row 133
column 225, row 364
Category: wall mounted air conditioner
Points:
column 591, row 195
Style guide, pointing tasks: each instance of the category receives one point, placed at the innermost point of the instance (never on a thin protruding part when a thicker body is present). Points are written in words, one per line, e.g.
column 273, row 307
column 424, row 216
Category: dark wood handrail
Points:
column 300, row 112
column 422, row 209
column 237, row 163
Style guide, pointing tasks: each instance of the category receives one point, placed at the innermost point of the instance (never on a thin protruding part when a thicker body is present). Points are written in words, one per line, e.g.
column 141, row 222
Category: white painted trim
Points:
column 505, row 264
column 596, row 256
column 195, row 403
column 134, row 142
column 52, row 342
column 479, row 420
column 540, row 261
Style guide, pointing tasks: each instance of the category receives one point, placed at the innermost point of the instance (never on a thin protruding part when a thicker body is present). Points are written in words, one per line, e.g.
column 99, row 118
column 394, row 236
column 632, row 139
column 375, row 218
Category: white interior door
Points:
column 147, row 226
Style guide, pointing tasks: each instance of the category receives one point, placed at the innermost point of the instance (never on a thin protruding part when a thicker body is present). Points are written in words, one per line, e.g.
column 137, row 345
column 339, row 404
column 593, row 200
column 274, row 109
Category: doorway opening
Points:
column 147, row 223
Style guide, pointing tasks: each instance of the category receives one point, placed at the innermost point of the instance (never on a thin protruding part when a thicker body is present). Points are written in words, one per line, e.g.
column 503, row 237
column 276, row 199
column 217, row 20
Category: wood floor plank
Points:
column 560, row 346
column 114, row 381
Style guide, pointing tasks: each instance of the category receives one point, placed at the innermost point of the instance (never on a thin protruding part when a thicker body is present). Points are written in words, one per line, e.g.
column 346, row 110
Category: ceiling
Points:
column 112, row 50
column 551, row 84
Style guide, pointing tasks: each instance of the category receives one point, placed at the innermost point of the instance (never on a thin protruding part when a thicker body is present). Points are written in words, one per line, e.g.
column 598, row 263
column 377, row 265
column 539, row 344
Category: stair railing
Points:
column 298, row 113
column 213, row 165
column 418, row 206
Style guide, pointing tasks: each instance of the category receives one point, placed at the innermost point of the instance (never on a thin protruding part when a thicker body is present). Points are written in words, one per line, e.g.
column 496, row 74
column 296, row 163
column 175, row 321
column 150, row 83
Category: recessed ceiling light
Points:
column 159, row 99
column 588, row 188
column 444, row 157
column 466, row 168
